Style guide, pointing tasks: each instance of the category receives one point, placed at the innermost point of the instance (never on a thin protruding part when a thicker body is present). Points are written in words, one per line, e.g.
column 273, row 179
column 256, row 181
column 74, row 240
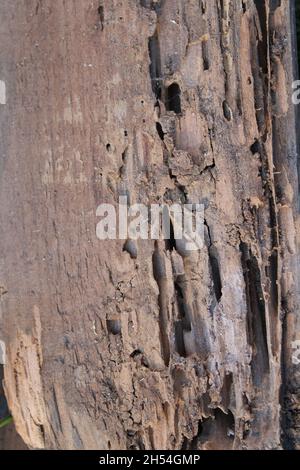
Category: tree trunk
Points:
column 117, row 345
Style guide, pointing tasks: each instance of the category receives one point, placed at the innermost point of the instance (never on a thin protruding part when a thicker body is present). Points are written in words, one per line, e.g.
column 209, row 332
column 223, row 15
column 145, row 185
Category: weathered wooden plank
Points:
column 165, row 101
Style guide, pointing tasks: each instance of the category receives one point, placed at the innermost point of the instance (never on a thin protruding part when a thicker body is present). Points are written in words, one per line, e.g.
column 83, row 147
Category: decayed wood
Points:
column 115, row 345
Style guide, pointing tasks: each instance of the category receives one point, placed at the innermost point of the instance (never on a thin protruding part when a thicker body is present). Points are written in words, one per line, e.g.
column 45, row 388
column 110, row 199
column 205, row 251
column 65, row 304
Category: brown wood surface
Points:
column 102, row 351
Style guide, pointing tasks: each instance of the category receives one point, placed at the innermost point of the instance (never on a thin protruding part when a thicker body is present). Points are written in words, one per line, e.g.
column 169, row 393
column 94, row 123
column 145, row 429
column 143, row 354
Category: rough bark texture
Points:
column 164, row 101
